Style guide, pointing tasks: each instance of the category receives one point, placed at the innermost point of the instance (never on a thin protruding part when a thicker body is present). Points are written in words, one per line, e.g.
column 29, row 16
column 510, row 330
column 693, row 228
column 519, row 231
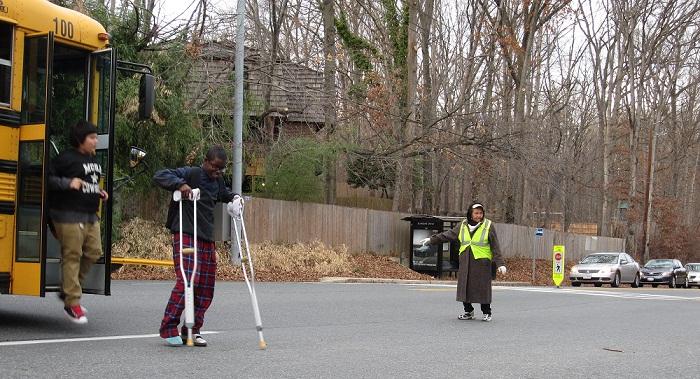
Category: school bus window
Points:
column 69, row 101
column 6, row 38
column 29, row 191
column 102, row 69
column 34, row 81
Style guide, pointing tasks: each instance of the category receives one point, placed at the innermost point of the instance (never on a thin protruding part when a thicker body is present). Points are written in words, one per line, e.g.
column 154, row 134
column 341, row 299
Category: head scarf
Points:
column 475, row 205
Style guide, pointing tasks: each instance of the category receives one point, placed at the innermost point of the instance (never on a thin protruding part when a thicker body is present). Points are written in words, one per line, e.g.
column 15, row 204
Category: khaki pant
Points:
column 80, row 248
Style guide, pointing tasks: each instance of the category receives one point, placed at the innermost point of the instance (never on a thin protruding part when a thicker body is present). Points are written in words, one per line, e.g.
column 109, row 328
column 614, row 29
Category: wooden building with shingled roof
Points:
column 296, row 94
column 296, row 98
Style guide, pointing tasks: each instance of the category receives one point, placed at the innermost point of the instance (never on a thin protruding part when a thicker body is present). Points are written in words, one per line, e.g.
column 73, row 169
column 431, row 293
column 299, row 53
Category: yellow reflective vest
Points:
column 479, row 243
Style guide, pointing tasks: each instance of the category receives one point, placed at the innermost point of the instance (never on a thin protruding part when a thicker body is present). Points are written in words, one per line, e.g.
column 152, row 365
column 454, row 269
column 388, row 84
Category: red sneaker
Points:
column 75, row 314
column 62, row 297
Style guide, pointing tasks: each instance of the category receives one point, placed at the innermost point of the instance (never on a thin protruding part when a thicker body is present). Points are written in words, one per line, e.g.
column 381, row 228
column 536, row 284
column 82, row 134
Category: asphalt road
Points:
column 318, row 330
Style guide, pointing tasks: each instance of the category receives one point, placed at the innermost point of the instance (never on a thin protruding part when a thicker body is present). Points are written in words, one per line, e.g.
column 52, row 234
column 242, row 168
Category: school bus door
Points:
column 29, row 260
column 9, row 135
column 70, row 79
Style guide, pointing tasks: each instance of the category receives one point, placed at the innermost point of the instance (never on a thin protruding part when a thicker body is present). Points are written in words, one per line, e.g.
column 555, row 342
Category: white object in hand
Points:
column 424, row 241
column 502, row 269
column 235, row 207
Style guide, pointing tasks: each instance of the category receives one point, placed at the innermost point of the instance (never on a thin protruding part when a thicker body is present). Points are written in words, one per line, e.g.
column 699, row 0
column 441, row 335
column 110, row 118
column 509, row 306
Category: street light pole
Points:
column 237, row 185
column 237, row 182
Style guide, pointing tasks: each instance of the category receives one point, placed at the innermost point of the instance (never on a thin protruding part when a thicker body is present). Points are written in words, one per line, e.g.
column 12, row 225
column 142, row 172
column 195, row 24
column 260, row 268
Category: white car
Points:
column 693, row 274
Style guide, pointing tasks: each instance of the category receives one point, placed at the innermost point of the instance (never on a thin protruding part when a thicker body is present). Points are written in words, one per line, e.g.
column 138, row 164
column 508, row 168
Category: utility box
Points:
column 222, row 223
column 435, row 259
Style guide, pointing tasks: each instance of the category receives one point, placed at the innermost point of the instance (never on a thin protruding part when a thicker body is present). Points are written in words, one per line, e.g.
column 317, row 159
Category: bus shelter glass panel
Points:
column 424, row 257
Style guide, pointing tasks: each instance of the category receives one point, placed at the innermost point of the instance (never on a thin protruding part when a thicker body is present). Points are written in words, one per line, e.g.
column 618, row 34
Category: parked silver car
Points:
column 693, row 274
column 613, row 268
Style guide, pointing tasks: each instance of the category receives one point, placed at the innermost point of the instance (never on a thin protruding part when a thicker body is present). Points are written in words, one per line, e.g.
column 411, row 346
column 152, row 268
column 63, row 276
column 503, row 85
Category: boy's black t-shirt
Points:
column 73, row 164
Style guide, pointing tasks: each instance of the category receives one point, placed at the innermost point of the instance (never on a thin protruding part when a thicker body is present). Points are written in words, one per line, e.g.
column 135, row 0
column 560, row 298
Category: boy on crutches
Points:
column 208, row 178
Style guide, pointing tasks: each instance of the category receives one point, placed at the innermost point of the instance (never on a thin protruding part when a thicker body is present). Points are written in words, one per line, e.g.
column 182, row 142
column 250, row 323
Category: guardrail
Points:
column 140, row 261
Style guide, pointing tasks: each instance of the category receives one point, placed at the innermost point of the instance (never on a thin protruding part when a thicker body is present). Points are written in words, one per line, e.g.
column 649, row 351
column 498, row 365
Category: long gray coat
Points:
column 474, row 275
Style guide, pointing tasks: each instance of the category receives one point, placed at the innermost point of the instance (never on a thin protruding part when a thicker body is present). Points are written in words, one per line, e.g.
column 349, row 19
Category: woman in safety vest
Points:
column 477, row 252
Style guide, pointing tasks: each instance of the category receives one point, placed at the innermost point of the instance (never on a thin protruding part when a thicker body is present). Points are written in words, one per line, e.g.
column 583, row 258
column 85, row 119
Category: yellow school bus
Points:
column 56, row 66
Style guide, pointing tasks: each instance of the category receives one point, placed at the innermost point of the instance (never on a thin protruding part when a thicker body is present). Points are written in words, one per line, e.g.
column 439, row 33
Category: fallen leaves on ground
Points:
column 272, row 262
column 297, row 267
column 288, row 262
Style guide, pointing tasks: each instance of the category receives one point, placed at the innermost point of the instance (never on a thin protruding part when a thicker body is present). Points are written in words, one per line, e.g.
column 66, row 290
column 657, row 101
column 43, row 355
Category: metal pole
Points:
column 238, row 100
column 237, row 182
column 534, row 250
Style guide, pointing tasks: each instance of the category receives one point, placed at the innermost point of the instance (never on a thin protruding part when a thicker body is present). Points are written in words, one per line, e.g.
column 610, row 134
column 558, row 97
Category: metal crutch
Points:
column 189, row 284
column 246, row 257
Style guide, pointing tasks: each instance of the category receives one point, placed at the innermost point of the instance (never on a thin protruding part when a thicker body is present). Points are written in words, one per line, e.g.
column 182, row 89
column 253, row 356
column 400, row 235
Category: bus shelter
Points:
column 435, row 259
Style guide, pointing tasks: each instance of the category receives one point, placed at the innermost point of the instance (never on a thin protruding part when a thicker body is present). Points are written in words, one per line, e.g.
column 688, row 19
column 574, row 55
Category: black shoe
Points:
column 466, row 316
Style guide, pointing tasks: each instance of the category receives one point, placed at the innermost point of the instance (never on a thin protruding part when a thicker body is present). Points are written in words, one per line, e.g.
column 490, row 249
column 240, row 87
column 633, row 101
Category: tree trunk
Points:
column 427, row 100
column 329, row 109
column 402, row 201
column 275, row 20
column 404, row 125
column 692, row 207
column 80, row 6
column 634, row 135
column 650, row 189
column 611, row 117
column 522, row 87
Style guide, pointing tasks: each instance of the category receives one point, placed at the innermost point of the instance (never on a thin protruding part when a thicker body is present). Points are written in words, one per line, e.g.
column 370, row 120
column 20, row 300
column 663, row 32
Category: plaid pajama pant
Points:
column 203, row 285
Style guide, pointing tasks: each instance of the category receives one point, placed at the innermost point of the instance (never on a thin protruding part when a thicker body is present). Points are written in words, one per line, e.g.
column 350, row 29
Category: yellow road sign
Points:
column 558, row 264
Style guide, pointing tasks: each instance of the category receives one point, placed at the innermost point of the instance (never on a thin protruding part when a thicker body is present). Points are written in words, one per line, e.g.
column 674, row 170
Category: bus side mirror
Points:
column 136, row 155
column 147, row 96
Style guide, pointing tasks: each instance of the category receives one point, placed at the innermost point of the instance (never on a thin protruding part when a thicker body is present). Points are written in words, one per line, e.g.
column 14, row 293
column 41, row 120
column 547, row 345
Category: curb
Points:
column 336, row 279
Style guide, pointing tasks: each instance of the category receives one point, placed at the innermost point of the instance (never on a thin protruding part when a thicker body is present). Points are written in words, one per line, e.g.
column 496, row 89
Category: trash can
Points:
column 435, row 259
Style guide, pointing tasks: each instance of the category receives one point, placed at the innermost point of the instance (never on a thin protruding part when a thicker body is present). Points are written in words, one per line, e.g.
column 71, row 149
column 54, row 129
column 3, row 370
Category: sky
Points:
column 182, row 9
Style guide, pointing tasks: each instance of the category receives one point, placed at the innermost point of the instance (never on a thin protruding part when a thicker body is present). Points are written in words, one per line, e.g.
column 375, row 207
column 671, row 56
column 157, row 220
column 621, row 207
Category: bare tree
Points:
column 329, row 74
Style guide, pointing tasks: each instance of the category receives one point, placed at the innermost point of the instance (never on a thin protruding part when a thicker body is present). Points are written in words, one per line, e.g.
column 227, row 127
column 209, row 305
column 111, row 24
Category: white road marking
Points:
column 614, row 294
column 430, row 285
column 621, row 294
column 85, row 339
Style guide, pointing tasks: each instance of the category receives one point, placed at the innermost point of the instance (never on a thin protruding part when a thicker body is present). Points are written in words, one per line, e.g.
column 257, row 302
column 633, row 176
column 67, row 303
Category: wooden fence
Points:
column 384, row 233
column 520, row 241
